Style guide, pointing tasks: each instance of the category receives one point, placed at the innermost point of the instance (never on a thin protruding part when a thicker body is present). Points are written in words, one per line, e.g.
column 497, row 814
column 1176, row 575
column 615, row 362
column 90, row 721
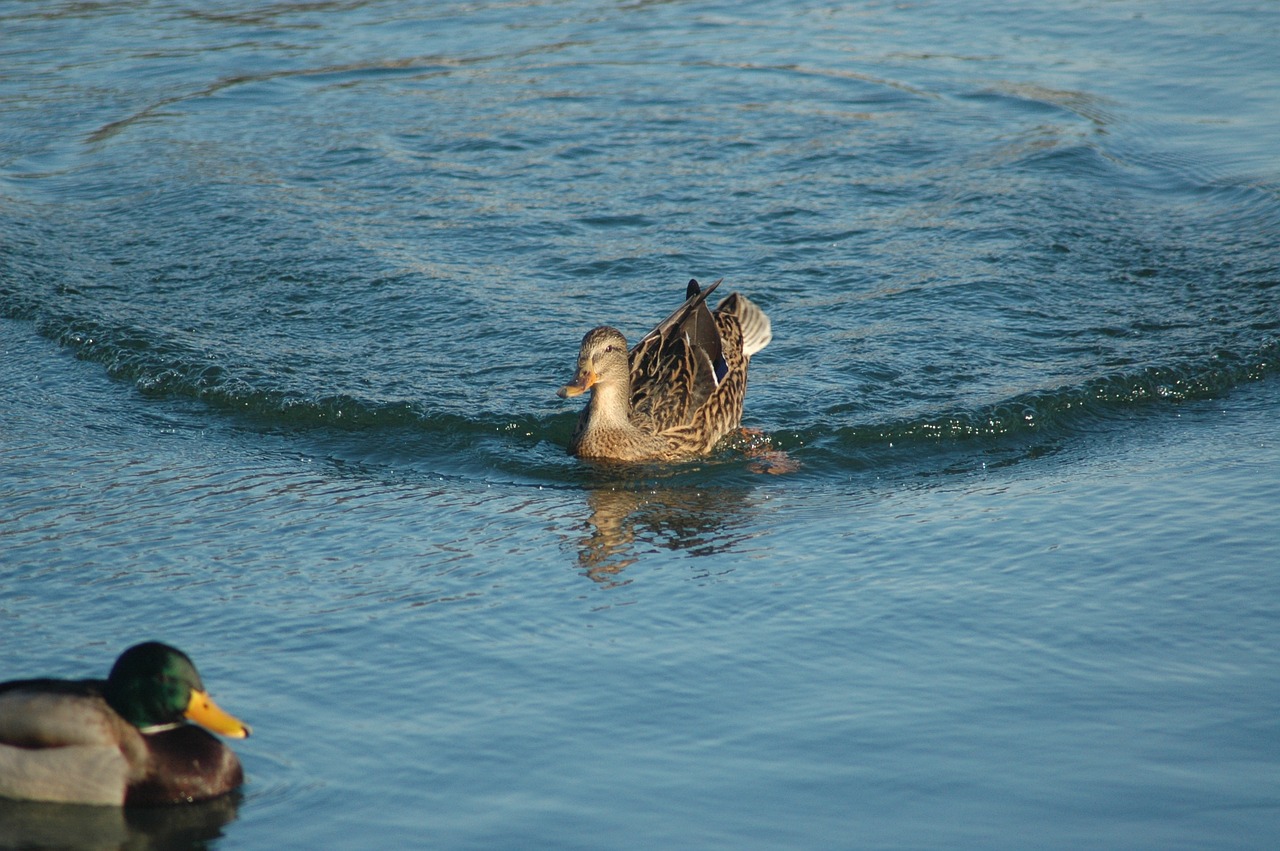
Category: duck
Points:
column 121, row 741
column 677, row 392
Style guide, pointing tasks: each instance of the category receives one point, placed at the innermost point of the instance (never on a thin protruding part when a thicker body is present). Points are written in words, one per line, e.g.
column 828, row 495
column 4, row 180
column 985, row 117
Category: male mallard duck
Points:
column 123, row 740
column 677, row 392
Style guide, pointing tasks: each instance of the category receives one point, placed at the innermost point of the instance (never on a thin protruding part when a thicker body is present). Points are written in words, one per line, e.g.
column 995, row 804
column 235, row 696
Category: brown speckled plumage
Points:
column 678, row 392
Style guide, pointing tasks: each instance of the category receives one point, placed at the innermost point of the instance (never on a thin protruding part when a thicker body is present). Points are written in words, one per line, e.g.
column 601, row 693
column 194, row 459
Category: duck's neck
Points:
column 611, row 406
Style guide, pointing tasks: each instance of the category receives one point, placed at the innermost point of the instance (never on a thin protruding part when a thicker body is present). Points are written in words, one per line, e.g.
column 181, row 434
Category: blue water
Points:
column 286, row 291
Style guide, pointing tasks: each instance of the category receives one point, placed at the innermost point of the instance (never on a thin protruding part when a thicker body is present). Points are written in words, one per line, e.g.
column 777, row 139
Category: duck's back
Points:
column 671, row 381
column 59, row 741
column 48, row 713
column 690, row 382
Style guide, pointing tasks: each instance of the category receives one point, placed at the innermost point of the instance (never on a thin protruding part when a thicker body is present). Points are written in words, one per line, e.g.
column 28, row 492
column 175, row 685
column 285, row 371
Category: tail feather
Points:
column 757, row 331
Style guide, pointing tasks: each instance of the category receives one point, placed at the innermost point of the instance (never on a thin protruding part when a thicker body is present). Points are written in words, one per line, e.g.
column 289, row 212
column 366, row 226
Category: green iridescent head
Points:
column 153, row 684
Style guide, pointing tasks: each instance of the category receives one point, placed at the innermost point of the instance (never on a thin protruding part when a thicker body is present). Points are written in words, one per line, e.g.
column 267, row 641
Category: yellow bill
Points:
column 202, row 710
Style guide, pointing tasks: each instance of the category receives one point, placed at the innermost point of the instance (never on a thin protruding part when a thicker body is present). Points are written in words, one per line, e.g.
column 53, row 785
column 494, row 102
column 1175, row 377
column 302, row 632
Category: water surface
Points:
column 287, row 291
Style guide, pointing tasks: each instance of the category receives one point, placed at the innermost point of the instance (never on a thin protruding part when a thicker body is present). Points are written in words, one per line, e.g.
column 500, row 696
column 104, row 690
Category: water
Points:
column 286, row 292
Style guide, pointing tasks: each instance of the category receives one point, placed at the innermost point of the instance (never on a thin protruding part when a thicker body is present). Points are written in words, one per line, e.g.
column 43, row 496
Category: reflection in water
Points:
column 627, row 520
column 31, row 824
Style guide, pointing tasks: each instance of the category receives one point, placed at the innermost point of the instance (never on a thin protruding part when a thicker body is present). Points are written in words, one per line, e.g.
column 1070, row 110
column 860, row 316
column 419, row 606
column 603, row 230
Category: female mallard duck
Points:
column 677, row 392
column 123, row 740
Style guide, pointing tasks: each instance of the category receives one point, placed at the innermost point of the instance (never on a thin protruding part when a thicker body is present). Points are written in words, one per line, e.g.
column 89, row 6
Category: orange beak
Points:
column 206, row 713
column 582, row 382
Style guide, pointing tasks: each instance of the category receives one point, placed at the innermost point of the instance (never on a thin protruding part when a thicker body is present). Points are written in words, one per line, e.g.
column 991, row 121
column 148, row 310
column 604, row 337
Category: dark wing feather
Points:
column 721, row 411
column 676, row 367
column 700, row 328
column 681, row 314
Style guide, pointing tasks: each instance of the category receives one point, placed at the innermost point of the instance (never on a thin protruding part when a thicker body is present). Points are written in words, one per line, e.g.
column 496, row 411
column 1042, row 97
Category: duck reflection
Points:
column 34, row 824
column 627, row 520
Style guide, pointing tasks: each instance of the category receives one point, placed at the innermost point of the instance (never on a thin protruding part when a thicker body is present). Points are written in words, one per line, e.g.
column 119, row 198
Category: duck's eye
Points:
column 609, row 347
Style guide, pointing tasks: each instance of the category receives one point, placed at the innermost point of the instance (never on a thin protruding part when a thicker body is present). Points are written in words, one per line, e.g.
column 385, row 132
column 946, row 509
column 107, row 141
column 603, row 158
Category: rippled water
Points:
column 286, row 293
